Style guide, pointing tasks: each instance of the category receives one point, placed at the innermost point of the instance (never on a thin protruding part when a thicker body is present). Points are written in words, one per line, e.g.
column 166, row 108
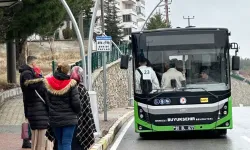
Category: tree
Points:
column 40, row 17
column 157, row 22
column 112, row 21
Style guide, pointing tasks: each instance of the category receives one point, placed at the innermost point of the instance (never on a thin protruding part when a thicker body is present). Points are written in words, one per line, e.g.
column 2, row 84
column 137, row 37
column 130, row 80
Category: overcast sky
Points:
column 231, row 14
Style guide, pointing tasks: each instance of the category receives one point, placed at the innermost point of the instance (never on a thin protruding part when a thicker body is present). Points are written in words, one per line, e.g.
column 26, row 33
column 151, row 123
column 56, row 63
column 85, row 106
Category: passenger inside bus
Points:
column 147, row 74
column 172, row 73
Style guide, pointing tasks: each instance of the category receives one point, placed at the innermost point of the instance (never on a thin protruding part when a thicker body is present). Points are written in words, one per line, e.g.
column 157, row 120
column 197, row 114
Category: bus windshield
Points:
column 201, row 68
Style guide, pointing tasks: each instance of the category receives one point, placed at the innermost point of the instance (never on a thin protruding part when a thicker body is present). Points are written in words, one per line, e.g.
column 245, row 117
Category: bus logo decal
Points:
column 156, row 101
column 183, row 100
column 167, row 101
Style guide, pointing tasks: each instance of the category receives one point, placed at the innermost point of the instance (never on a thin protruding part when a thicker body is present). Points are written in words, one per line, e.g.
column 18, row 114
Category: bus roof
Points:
column 180, row 29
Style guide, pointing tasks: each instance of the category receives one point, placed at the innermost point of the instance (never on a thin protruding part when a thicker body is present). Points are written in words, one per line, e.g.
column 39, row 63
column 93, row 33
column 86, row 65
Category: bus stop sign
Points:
column 103, row 43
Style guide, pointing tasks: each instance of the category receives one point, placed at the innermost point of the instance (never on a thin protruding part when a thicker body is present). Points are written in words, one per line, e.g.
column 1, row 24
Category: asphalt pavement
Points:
column 236, row 139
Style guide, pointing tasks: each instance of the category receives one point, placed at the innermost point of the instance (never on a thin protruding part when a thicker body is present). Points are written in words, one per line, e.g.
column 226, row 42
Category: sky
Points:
column 213, row 13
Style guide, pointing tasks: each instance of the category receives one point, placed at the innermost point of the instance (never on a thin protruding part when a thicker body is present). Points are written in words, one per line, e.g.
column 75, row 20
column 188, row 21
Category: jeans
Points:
column 64, row 136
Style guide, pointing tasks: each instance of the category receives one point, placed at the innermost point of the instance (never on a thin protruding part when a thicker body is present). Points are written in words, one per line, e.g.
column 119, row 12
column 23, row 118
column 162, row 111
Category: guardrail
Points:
column 97, row 58
column 237, row 77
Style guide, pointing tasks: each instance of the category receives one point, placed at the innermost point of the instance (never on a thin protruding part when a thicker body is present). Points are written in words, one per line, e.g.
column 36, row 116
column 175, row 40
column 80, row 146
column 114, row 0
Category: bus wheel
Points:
column 222, row 132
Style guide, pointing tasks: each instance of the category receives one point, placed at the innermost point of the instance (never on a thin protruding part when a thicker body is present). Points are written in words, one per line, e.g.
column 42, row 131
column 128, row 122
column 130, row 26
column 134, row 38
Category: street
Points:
column 237, row 139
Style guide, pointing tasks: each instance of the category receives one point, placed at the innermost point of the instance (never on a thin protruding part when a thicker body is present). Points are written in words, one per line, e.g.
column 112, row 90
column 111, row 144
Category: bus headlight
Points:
column 225, row 112
column 141, row 116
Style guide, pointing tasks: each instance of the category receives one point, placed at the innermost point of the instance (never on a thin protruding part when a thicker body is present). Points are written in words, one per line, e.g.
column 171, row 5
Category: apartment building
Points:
column 130, row 12
column 133, row 16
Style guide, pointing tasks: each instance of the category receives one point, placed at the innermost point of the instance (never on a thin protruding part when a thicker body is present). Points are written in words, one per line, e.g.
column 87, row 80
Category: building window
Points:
column 140, row 10
column 127, row 18
column 128, row 6
column 127, row 31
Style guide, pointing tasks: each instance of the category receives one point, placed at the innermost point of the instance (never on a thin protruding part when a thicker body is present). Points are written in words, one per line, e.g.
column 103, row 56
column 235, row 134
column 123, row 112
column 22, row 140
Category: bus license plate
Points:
column 183, row 128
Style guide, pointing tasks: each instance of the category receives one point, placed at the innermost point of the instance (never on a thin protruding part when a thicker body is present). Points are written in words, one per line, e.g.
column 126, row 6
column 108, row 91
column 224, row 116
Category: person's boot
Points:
column 26, row 144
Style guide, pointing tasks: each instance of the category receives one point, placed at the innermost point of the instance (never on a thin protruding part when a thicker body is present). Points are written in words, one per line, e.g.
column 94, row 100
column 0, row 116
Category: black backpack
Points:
column 146, row 85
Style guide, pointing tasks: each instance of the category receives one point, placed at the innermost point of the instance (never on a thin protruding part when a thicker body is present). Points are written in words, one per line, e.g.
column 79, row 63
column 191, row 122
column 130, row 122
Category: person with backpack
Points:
column 146, row 79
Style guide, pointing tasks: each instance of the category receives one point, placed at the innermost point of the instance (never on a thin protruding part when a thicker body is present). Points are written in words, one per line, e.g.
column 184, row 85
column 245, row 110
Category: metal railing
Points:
column 238, row 77
column 97, row 58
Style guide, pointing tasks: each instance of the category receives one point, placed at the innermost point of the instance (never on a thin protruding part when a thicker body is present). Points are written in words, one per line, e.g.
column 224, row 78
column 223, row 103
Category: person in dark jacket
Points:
column 64, row 105
column 83, row 137
column 34, row 98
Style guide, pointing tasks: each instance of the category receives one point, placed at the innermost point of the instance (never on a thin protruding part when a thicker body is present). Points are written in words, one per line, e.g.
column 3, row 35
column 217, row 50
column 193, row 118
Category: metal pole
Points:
column 104, row 67
column 150, row 15
column 188, row 18
column 91, row 31
column 11, row 61
column 80, row 22
column 79, row 37
column 130, row 84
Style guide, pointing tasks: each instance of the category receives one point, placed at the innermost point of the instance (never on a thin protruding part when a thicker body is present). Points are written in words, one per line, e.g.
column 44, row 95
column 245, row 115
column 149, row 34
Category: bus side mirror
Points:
column 235, row 63
column 124, row 62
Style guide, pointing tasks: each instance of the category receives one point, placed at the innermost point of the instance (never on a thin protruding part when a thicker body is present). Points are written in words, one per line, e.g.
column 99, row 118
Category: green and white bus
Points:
column 195, row 105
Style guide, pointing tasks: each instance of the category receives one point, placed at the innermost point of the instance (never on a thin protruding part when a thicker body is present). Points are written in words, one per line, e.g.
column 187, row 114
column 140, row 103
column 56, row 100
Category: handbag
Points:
column 26, row 131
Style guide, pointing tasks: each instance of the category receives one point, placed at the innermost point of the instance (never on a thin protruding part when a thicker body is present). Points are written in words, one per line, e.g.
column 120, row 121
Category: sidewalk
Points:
column 12, row 116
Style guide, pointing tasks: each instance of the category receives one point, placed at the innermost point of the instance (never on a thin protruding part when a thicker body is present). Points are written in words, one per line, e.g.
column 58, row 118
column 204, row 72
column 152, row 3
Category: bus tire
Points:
column 222, row 132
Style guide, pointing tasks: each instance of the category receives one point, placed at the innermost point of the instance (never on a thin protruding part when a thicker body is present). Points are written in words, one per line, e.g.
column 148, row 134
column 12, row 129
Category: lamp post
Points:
column 78, row 34
column 142, row 29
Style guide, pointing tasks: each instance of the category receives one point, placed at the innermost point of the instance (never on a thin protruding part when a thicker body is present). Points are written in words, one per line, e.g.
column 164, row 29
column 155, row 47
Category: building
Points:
column 132, row 15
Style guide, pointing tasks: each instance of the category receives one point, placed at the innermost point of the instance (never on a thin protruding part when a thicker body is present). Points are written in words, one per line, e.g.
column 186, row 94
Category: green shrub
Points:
column 67, row 33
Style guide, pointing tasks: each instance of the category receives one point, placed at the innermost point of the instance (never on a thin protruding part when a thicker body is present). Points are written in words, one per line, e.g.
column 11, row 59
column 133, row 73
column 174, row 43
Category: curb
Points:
column 105, row 141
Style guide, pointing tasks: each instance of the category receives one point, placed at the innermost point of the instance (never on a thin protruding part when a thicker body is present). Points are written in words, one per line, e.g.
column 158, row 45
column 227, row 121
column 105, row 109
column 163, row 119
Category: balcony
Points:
column 140, row 4
column 141, row 1
column 129, row 1
column 130, row 25
column 141, row 17
column 129, row 11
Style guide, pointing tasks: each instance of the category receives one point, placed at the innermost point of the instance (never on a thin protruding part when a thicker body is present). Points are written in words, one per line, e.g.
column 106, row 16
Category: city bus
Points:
column 196, row 104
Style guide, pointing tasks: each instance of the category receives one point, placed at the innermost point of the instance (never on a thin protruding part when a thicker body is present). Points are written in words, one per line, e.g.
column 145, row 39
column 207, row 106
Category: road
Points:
column 236, row 139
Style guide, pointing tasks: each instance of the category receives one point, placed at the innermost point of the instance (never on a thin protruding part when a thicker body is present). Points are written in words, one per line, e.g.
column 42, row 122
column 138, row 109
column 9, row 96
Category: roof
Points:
column 181, row 29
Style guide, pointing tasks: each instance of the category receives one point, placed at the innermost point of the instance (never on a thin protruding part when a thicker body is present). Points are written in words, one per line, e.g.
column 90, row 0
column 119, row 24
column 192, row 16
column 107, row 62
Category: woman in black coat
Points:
column 83, row 136
column 35, row 107
column 84, row 133
column 64, row 105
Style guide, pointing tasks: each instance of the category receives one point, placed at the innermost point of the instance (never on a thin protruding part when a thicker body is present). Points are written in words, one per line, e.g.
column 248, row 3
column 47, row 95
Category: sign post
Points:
column 104, row 44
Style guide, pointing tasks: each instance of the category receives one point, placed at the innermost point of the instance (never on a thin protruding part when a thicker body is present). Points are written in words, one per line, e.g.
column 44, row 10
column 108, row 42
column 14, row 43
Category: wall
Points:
column 9, row 94
column 117, row 86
